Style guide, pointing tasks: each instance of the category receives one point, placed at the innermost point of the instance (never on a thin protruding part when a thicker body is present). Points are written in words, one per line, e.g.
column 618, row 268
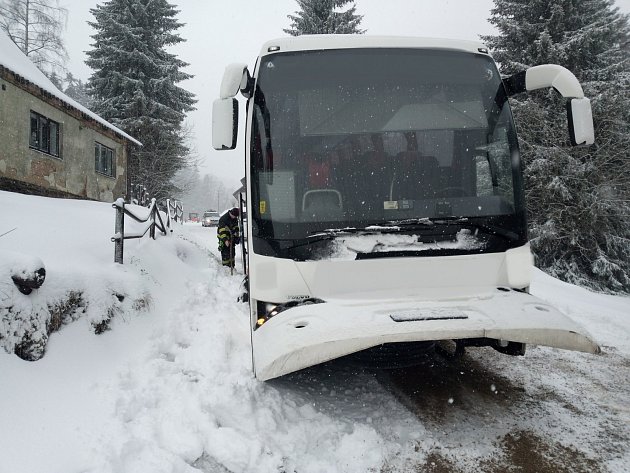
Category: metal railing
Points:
column 174, row 212
column 139, row 194
column 153, row 219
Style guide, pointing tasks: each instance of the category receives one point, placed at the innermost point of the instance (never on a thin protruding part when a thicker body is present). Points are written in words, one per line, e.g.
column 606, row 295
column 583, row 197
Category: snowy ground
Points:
column 170, row 389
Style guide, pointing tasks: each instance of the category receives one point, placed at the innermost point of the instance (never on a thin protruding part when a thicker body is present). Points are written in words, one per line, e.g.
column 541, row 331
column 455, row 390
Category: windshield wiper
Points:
column 485, row 227
column 398, row 226
column 489, row 228
column 369, row 230
column 423, row 223
column 317, row 236
column 333, row 233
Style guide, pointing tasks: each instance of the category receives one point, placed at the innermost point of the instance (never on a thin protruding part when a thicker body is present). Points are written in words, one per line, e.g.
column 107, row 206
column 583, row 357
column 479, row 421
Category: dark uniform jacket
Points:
column 228, row 229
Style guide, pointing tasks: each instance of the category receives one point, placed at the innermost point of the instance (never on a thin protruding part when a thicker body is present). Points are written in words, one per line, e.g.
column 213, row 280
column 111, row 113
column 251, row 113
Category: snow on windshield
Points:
column 346, row 247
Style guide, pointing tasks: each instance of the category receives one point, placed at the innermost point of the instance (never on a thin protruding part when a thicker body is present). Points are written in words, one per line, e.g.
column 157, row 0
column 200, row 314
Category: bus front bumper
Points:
column 307, row 335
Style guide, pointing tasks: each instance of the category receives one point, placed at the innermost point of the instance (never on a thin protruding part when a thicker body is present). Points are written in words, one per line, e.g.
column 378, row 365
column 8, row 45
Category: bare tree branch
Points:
column 35, row 26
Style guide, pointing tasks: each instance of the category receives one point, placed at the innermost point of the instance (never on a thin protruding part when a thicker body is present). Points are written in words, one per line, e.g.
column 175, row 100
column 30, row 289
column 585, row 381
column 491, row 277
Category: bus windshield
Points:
column 358, row 137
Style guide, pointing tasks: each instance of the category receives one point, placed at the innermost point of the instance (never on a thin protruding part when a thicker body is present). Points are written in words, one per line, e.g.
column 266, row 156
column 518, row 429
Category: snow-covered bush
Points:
column 27, row 320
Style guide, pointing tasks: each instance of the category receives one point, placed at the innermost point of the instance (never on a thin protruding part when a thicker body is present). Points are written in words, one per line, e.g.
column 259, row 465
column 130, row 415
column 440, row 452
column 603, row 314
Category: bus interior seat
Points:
column 319, row 174
column 415, row 176
column 364, row 182
column 322, row 204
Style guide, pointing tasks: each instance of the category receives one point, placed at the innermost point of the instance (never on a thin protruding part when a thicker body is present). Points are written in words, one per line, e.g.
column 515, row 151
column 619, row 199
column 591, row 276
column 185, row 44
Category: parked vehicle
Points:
column 386, row 198
column 210, row 218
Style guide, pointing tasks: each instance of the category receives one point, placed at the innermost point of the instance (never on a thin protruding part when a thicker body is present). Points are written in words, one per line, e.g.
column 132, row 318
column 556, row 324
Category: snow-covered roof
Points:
column 13, row 59
column 347, row 41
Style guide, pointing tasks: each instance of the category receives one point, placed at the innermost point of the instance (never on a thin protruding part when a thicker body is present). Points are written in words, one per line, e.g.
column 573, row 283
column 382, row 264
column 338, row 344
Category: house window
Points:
column 44, row 134
column 104, row 159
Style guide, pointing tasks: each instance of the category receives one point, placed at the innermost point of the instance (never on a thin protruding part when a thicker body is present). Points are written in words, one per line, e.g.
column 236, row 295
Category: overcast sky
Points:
column 218, row 32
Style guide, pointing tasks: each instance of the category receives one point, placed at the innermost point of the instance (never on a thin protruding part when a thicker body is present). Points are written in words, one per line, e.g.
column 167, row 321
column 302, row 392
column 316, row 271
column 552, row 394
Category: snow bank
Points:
column 194, row 403
column 169, row 389
column 71, row 240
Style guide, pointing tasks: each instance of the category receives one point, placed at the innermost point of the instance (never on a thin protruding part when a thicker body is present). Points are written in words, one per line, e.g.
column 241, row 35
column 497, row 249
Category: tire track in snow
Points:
column 551, row 411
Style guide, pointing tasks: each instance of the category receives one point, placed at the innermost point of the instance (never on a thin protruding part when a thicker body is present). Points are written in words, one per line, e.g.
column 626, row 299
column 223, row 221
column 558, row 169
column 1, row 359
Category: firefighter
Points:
column 228, row 235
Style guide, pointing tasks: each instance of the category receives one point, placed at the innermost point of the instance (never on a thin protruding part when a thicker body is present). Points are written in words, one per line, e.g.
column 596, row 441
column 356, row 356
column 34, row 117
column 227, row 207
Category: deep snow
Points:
column 169, row 388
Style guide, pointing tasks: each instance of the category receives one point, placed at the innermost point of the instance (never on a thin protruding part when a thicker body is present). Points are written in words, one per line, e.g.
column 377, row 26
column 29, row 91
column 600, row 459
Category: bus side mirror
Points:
column 580, row 120
column 542, row 77
column 236, row 79
column 224, row 123
column 579, row 113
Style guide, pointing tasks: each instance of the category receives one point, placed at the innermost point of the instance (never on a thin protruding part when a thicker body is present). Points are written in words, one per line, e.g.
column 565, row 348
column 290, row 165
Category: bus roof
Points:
column 349, row 41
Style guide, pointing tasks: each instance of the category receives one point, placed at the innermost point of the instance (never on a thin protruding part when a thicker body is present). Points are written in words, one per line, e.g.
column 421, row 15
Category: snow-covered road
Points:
column 549, row 411
column 170, row 389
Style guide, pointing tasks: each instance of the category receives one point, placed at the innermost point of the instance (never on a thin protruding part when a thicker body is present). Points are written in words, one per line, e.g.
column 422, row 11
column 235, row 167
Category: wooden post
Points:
column 154, row 217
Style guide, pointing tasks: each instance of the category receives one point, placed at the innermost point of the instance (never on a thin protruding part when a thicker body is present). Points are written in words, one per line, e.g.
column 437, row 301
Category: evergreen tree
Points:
column 77, row 89
column 35, row 26
column 578, row 198
column 56, row 80
column 134, row 86
column 324, row 17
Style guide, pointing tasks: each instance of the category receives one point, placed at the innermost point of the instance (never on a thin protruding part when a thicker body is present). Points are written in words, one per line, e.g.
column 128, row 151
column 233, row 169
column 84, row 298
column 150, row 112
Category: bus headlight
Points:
column 267, row 310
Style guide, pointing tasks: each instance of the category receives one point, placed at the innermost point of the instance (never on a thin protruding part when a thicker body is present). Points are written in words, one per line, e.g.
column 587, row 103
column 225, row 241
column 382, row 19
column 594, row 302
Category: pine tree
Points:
column 77, row 89
column 578, row 198
column 134, row 86
column 324, row 17
column 35, row 26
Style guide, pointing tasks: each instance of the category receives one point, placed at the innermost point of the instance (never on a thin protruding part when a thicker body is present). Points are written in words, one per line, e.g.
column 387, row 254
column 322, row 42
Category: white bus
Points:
column 385, row 197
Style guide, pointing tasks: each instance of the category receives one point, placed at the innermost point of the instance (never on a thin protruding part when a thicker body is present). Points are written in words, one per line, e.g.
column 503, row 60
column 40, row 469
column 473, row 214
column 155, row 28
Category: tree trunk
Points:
column 26, row 25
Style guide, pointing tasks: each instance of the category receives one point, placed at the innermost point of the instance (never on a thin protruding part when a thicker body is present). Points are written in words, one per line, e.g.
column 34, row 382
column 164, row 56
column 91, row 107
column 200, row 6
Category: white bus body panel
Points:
column 457, row 296
column 282, row 280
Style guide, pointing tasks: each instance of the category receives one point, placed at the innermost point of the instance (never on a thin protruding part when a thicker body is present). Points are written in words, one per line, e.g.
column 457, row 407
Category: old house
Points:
column 49, row 143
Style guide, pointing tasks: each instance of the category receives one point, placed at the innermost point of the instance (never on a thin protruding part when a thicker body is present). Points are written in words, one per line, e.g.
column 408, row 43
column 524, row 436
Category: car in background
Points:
column 193, row 217
column 210, row 219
